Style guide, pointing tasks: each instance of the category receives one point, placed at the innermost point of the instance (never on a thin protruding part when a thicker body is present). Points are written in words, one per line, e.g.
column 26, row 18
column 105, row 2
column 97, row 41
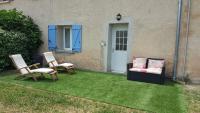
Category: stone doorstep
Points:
column 195, row 81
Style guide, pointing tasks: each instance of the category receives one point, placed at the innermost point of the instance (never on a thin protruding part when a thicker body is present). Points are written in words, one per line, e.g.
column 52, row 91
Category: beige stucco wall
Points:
column 194, row 42
column 193, row 54
column 153, row 27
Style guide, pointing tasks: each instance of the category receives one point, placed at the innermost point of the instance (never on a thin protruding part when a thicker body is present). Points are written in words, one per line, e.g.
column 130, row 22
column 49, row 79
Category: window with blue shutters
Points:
column 65, row 38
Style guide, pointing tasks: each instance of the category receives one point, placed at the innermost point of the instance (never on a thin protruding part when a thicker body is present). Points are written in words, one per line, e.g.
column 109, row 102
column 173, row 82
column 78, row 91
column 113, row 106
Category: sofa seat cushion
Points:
column 139, row 62
column 155, row 63
column 154, row 70
column 138, row 69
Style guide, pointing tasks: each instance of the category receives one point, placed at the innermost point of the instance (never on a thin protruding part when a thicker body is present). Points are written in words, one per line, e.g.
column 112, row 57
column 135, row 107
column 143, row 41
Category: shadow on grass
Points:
column 169, row 82
column 47, row 78
column 43, row 79
column 108, row 73
column 7, row 73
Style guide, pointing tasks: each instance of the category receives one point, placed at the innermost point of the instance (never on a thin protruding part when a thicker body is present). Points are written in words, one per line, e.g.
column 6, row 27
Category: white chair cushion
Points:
column 65, row 64
column 154, row 70
column 42, row 70
column 138, row 69
column 139, row 63
column 155, row 63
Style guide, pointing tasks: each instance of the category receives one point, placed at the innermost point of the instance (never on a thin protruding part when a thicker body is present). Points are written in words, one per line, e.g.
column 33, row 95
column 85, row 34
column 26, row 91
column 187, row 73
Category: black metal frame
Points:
column 146, row 77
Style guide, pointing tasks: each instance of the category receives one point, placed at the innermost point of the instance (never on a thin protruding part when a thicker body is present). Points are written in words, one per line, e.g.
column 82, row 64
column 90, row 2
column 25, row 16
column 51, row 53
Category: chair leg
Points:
column 56, row 75
column 71, row 70
column 42, row 75
column 34, row 78
column 52, row 76
column 55, row 68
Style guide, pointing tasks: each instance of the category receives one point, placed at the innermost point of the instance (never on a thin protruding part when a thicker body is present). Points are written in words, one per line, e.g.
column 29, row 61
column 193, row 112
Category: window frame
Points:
column 121, row 40
column 64, row 38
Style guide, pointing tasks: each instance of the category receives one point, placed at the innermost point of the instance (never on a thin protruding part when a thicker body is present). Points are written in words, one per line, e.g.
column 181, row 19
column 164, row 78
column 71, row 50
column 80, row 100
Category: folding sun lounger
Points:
column 25, row 70
column 54, row 64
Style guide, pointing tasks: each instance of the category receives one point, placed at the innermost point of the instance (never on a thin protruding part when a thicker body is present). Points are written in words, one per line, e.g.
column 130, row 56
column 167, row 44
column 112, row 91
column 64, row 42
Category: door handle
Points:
column 113, row 49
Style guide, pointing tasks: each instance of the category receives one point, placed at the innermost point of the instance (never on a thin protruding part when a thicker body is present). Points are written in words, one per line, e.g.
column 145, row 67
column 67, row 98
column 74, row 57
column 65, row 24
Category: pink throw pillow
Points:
column 139, row 63
column 155, row 63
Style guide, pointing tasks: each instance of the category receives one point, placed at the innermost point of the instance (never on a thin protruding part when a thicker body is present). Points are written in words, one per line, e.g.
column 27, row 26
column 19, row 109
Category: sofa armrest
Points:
column 163, row 71
column 129, row 65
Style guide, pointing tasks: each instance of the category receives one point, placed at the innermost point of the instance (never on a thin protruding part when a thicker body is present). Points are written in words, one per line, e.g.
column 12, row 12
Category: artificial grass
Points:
column 114, row 89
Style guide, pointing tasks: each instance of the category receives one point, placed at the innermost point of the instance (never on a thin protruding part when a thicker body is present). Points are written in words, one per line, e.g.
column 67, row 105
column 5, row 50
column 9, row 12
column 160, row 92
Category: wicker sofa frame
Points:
column 144, row 76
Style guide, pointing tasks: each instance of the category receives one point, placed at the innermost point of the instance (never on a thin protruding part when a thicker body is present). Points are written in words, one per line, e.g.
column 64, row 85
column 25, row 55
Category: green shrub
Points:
column 13, row 20
column 26, row 35
column 12, row 43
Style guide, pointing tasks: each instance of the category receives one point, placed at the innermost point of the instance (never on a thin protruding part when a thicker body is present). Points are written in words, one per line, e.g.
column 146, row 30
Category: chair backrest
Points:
column 19, row 63
column 49, row 58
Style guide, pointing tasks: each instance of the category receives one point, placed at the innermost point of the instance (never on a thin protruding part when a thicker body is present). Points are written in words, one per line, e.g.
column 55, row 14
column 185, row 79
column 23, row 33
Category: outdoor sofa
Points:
column 151, row 70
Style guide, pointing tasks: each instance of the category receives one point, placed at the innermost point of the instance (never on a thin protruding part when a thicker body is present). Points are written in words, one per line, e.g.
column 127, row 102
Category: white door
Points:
column 119, row 48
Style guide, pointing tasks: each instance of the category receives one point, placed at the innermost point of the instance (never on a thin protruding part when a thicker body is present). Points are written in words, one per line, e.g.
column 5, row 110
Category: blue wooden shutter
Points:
column 76, row 38
column 52, row 37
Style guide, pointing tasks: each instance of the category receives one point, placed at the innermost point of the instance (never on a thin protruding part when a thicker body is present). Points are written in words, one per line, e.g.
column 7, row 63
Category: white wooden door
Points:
column 119, row 48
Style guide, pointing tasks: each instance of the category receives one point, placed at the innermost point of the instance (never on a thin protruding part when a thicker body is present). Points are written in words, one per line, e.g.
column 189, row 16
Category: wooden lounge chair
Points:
column 25, row 70
column 69, row 67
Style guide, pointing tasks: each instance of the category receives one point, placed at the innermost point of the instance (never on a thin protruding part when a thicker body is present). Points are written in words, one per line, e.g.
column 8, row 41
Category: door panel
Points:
column 119, row 48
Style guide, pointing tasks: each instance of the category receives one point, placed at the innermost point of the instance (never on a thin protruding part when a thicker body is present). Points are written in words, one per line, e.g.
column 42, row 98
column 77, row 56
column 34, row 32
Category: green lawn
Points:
column 192, row 93
column 20, row 99
column 113, row 89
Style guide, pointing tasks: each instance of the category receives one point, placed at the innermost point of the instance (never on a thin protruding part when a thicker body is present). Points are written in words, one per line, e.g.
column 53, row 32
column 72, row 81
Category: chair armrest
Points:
column 51, row 62
column 34, row 65
column 24, row 68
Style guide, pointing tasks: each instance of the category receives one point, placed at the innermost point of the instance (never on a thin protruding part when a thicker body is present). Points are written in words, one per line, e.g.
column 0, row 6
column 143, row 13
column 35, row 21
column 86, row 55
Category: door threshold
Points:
column 118, row 72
